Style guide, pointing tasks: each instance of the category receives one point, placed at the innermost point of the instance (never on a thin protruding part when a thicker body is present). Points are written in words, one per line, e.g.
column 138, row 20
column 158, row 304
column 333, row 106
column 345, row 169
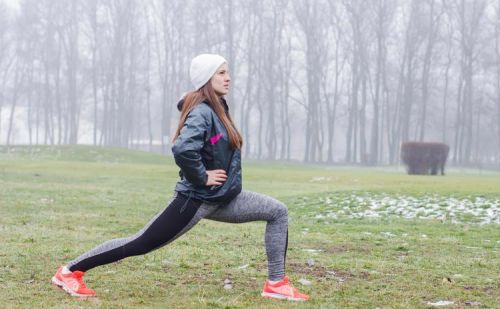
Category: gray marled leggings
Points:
column 182, row 214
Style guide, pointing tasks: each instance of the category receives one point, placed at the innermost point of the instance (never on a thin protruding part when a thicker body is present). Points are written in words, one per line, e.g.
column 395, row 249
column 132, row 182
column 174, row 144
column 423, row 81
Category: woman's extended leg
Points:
column 162, row 229
column 179, row 217
column 250, row 206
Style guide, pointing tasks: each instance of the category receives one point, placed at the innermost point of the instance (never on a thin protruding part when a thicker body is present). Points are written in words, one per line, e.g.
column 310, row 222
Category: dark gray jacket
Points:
column 203, row 144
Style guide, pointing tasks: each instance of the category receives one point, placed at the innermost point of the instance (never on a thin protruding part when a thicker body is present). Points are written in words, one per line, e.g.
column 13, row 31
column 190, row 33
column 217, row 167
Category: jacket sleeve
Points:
column 188, row 145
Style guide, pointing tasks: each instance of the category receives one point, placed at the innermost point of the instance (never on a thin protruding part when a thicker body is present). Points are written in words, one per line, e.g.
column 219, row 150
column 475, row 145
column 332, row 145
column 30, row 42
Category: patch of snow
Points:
column 476, row 210
column 305, row 282
column 387, row 234
column 313, row 250
column 320, row 178
column 441, row 303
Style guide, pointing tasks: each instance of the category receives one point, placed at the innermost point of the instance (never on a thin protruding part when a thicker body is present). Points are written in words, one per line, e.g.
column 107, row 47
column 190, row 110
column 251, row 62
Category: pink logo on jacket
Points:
column 215, row 138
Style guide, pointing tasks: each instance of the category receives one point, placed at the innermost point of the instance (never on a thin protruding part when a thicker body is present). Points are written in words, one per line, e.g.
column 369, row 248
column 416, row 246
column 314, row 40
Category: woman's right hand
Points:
column 216, row 177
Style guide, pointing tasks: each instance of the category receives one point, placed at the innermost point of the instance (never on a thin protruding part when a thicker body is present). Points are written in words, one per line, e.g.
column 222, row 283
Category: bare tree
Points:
column 92, row 31
column 497, row 73
column 468, row 15
column 6, row 57
column 310, row 17
column 360, row 71
column 17, row 82
column 448, row 66
column 147, row 82
column 434, row 15
column 384, row 13
column 71, row 48
column 248, row 99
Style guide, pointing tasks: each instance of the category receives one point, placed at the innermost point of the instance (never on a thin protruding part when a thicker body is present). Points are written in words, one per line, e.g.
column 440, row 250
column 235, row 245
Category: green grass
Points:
column 57, row 202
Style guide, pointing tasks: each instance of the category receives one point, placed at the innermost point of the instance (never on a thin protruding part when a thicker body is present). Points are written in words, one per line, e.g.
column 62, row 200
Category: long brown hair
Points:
column 207, row 93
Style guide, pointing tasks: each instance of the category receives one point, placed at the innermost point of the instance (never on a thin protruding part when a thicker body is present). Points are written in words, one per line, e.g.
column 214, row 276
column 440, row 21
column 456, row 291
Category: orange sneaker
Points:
column 72, row 283
column 283, row 290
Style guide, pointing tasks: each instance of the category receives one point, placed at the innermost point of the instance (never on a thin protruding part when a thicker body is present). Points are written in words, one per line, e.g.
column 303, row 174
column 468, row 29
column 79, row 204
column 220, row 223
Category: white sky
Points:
column 11, row 3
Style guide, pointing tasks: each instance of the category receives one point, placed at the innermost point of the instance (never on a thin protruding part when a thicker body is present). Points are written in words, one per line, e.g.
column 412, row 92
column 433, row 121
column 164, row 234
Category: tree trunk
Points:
column 72, row 74
column 458, row 123
column 426, row 69
column 148, row 82
column 15, row 92
column 497, row 62
column 95, row 69
column 445, row 95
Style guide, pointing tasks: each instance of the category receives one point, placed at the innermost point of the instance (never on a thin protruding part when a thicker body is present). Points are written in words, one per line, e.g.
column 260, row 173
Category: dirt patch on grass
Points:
column 339, row 248
column 346, row 248
column 326, row 273
column 485, row 289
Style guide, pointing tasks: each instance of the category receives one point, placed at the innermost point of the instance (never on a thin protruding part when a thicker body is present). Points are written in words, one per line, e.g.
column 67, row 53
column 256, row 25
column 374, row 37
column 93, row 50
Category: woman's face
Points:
column 220, row 80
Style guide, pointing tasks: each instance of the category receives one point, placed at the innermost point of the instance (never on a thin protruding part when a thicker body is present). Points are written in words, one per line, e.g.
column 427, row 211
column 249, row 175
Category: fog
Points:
column 320, row 81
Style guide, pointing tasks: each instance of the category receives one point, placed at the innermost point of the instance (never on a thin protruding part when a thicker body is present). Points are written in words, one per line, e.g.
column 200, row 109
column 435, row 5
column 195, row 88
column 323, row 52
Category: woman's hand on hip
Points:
column 216, row 177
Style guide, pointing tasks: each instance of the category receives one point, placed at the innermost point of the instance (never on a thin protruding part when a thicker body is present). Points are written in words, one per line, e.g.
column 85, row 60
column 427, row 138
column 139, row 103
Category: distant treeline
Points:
column 321, row 81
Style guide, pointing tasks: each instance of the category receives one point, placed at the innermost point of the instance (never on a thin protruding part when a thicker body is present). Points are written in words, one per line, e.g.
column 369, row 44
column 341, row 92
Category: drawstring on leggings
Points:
column 187, row 201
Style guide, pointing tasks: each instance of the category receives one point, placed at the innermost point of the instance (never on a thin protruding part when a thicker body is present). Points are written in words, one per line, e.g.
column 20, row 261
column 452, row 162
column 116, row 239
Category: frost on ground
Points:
column 440, row 303
column 471, row 209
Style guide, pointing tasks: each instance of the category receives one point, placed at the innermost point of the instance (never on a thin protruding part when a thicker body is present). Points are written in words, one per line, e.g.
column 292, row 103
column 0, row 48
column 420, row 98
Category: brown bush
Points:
column 424, row 158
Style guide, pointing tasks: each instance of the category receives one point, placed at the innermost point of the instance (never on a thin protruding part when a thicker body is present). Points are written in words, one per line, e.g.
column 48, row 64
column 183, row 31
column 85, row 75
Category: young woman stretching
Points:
column 207, row 150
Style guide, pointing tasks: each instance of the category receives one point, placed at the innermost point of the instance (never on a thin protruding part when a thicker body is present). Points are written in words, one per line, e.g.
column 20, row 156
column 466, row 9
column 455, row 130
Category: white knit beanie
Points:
column 203, row 67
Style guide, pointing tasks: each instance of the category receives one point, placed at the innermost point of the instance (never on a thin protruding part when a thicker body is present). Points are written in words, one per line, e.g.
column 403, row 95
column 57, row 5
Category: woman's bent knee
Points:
column 280, row 211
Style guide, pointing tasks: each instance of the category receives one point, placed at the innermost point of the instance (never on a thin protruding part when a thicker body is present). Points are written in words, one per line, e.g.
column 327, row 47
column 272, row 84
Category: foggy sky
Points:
column 317, row 81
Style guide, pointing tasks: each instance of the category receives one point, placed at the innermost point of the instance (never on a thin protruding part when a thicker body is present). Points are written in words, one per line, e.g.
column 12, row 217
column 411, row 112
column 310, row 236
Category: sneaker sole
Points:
column 279, row 296
column 63, row 286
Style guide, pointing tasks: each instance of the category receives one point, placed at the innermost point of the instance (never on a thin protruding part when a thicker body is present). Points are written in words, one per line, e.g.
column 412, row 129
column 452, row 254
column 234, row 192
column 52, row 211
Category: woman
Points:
column 207, row 149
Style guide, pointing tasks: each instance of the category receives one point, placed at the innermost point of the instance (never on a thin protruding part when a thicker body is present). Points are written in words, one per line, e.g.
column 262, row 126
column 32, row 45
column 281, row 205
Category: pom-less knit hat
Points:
column 203, row 67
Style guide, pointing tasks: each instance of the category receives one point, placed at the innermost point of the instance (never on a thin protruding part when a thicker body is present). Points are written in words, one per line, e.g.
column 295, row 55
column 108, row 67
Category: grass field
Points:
column 364, row 238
